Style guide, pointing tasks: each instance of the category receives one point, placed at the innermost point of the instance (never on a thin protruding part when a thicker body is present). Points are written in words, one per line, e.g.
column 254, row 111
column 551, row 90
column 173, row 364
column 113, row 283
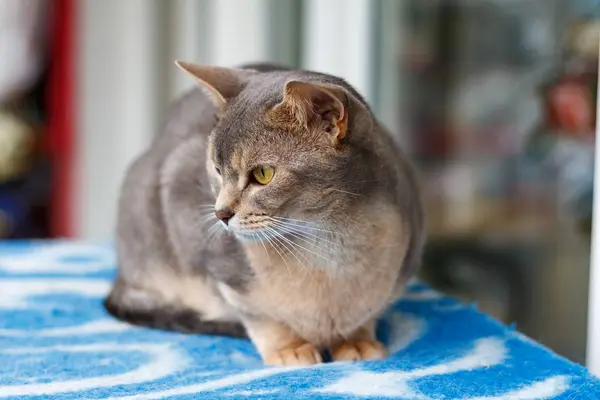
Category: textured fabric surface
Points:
column 57, row 342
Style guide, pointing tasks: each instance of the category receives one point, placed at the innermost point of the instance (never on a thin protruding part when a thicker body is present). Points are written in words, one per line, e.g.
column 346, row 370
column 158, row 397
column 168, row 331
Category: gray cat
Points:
column 272, row 205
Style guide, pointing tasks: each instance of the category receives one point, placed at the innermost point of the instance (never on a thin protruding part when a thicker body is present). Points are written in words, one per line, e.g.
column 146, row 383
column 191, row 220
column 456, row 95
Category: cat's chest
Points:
column 319, row 304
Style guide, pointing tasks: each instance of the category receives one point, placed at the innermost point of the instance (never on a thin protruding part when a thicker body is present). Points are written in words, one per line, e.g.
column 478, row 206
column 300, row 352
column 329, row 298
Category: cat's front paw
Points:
column 305, row 354
column 359, row 350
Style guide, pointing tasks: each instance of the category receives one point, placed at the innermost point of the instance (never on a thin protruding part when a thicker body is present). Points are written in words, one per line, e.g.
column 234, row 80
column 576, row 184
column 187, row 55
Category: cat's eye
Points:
column 263, row 175
column 218, row 170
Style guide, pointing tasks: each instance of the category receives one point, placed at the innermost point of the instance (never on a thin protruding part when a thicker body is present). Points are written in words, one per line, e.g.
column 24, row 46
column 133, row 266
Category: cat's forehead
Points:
column 245, row 136
column 245, row 140
column 239, row 123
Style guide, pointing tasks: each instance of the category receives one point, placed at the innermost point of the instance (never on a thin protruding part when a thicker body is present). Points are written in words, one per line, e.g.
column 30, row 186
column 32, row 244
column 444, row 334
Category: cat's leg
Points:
column 361, row 345
column 279, row 345
column 181, row 304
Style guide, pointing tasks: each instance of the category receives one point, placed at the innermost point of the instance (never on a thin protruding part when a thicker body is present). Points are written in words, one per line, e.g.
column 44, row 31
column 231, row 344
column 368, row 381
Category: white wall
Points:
column 593, row 350
column 239, row 32
column 118, row 108
column 338, row 39
column 185, row 30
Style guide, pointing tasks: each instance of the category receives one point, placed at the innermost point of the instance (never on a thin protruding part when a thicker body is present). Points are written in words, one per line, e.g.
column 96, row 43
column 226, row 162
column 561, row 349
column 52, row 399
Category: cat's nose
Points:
column 224, row 215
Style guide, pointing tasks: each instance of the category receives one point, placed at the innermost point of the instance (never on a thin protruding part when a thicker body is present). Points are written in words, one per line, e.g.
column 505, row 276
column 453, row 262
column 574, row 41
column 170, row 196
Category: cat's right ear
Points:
column 220, row 83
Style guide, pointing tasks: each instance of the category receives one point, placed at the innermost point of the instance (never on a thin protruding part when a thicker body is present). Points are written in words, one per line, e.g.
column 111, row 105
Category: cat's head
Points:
column 287, row 148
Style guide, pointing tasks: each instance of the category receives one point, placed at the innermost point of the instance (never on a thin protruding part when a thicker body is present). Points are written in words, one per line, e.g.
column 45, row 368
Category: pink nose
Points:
column 224, row 215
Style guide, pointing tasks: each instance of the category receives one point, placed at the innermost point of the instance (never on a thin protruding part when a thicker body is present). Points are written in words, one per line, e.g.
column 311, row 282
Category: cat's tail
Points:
column 128, row 305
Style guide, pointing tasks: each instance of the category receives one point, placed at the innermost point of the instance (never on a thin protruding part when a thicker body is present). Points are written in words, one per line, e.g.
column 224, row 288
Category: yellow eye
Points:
column 263, row 175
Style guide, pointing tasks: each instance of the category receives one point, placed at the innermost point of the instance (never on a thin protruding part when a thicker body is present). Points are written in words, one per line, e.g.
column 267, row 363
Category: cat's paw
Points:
column 306, row 354
column 359, row 350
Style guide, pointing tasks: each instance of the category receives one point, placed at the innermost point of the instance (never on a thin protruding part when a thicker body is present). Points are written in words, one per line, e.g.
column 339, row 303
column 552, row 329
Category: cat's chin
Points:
column 248, row 236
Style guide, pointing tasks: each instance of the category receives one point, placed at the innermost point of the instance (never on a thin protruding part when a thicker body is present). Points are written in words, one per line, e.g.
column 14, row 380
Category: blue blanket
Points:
column 57, row 342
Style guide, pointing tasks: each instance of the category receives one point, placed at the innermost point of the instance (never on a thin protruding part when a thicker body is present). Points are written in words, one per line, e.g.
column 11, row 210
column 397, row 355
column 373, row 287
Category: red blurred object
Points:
column 570, row 107
column 61, row 124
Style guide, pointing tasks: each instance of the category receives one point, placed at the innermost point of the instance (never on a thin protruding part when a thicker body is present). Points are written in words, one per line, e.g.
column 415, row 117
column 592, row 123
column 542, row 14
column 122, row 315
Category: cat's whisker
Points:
column 207, row 211
column 201, row 222
column 291, row 250
column 309, row 235
column 302, row 247
column 206, row 217
column 212, row 233
column 312, row 242
column 310, row 229
column 296, row 234
column 303, row 224
column 320, row 249
column 258, row 234
column 275, row 239
column 318, row 236
column 278, row 252
column 299, row 221
column 346, row 192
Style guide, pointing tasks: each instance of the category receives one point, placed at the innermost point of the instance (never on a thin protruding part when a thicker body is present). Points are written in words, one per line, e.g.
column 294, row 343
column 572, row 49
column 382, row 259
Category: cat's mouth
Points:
column 279, row 229
column 251, row 230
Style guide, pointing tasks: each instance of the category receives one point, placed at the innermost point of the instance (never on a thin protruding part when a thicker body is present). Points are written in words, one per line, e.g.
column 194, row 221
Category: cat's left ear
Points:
column 220, row 83
column 315, row 106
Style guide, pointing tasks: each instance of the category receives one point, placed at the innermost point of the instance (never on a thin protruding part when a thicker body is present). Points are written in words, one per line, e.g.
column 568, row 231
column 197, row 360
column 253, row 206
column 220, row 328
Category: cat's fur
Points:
column 348, row 229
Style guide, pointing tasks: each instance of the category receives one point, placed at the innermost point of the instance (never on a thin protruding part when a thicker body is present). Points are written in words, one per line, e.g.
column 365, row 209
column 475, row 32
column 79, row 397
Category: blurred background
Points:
column 495, row 100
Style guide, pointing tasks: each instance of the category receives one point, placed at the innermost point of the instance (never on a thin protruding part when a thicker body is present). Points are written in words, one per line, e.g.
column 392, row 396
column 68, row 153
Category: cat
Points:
column 274, row 206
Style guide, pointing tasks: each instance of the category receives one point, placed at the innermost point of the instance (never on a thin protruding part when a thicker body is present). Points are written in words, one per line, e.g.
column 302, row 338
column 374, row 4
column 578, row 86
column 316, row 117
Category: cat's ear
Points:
column 220, row 83
column 314, row 105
